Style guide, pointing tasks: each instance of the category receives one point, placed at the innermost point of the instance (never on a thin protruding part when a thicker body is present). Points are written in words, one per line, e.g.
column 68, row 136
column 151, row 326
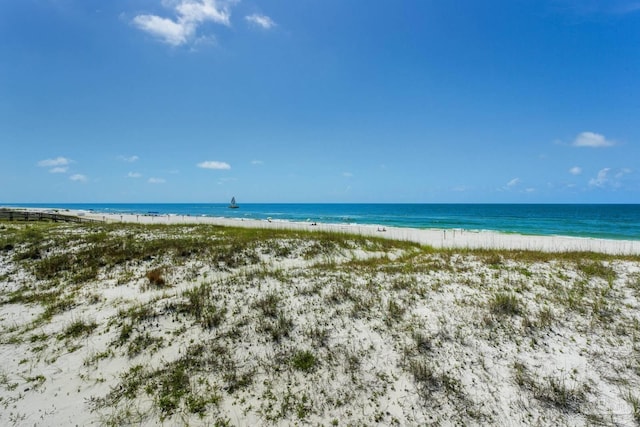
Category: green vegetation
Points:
column 289, row 327
column 78, row 328
column 182, row 384
column 562, row 393
column 268, row 305
column 634, row 401
column 304, row 361
column 505, row 303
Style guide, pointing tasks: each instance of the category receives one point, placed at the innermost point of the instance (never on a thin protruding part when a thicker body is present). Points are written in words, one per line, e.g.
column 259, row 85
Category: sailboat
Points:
column 233, row 204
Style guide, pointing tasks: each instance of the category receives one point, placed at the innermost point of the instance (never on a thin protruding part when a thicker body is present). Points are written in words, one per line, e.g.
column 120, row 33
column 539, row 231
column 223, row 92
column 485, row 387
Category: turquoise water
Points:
column 603, row 221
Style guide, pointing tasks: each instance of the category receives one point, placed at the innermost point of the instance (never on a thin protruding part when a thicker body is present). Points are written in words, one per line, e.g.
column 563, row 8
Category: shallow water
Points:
column 602, row 220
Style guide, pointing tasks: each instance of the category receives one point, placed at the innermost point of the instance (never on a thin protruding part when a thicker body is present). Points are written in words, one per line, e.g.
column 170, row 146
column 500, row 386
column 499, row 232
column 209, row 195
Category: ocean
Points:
column 579, row 220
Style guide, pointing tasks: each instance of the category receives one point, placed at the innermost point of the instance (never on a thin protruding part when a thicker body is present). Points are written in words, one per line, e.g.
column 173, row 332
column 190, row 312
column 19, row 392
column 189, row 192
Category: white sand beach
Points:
column 126, row 324
column 437, row 238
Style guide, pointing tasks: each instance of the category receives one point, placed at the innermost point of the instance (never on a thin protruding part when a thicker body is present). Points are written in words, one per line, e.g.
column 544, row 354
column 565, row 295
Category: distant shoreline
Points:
column 612, row 221
column 437, row 238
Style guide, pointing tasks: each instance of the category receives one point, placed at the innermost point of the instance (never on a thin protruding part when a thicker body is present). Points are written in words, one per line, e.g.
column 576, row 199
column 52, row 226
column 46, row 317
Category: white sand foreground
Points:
column 191, row 326
column 437, row 238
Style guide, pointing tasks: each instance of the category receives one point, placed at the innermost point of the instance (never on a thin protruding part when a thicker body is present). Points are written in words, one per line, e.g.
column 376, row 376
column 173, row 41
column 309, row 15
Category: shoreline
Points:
column 437, row 238
column 615, row 222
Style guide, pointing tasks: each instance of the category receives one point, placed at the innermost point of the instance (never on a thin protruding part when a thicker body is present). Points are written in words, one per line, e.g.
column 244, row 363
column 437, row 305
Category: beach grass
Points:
column 203, row 324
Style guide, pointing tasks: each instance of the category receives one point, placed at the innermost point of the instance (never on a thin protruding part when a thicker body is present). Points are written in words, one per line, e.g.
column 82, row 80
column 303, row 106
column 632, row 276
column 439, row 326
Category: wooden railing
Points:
column 26, row 215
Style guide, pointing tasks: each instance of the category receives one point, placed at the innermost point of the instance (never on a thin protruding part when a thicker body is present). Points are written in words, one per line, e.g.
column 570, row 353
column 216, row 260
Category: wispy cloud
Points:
column 189, row 16
column 515, row 186
column 129, row 159
column 261, row 21
column 58, row 165
column 576, row 170
column 203, row 41
column 78, row 177
column 514, row 182
column 347, row 174
column 156, row 180
column 134, row 175
column 602, row 179
column 223, row 181
column 58, row 161
column 592, row 139
column 257, row 162
column 214, row 164
column 607, row 178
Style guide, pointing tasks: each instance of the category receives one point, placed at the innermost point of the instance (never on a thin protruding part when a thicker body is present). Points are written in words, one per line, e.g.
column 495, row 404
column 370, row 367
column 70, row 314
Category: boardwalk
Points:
column 27, row 215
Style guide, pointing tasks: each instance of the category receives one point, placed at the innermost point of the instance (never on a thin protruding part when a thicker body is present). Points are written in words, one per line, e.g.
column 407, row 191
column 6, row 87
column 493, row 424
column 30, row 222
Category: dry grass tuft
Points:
column 156, row 278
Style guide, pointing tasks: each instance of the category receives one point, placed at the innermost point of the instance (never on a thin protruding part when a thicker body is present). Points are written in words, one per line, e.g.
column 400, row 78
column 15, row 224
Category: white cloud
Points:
column 623, row 172
column 513, row 182
column 601, row 180
column 591, row 139
column 607, row 178
column 576, row 170
column 204, row 10
column 257, row 162
column 78, row 177
column 347, row 174
column 57, row 165
column 190, row 14
column 213, row 164
column 58, row 161
column 515, row 186
column 156, row 181
column 134, row 175
column 261, row 21
column 129, row 159
column 170, row 32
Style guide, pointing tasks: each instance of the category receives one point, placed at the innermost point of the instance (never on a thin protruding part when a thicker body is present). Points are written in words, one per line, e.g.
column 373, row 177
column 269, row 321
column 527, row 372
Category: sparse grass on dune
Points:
column 207, row 325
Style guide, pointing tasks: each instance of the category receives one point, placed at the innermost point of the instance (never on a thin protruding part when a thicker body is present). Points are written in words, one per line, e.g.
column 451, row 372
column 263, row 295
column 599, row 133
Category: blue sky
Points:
column 320, row 101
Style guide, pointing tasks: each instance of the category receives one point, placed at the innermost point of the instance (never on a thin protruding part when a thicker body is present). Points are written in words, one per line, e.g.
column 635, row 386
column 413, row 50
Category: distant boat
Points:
column 233, row 204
